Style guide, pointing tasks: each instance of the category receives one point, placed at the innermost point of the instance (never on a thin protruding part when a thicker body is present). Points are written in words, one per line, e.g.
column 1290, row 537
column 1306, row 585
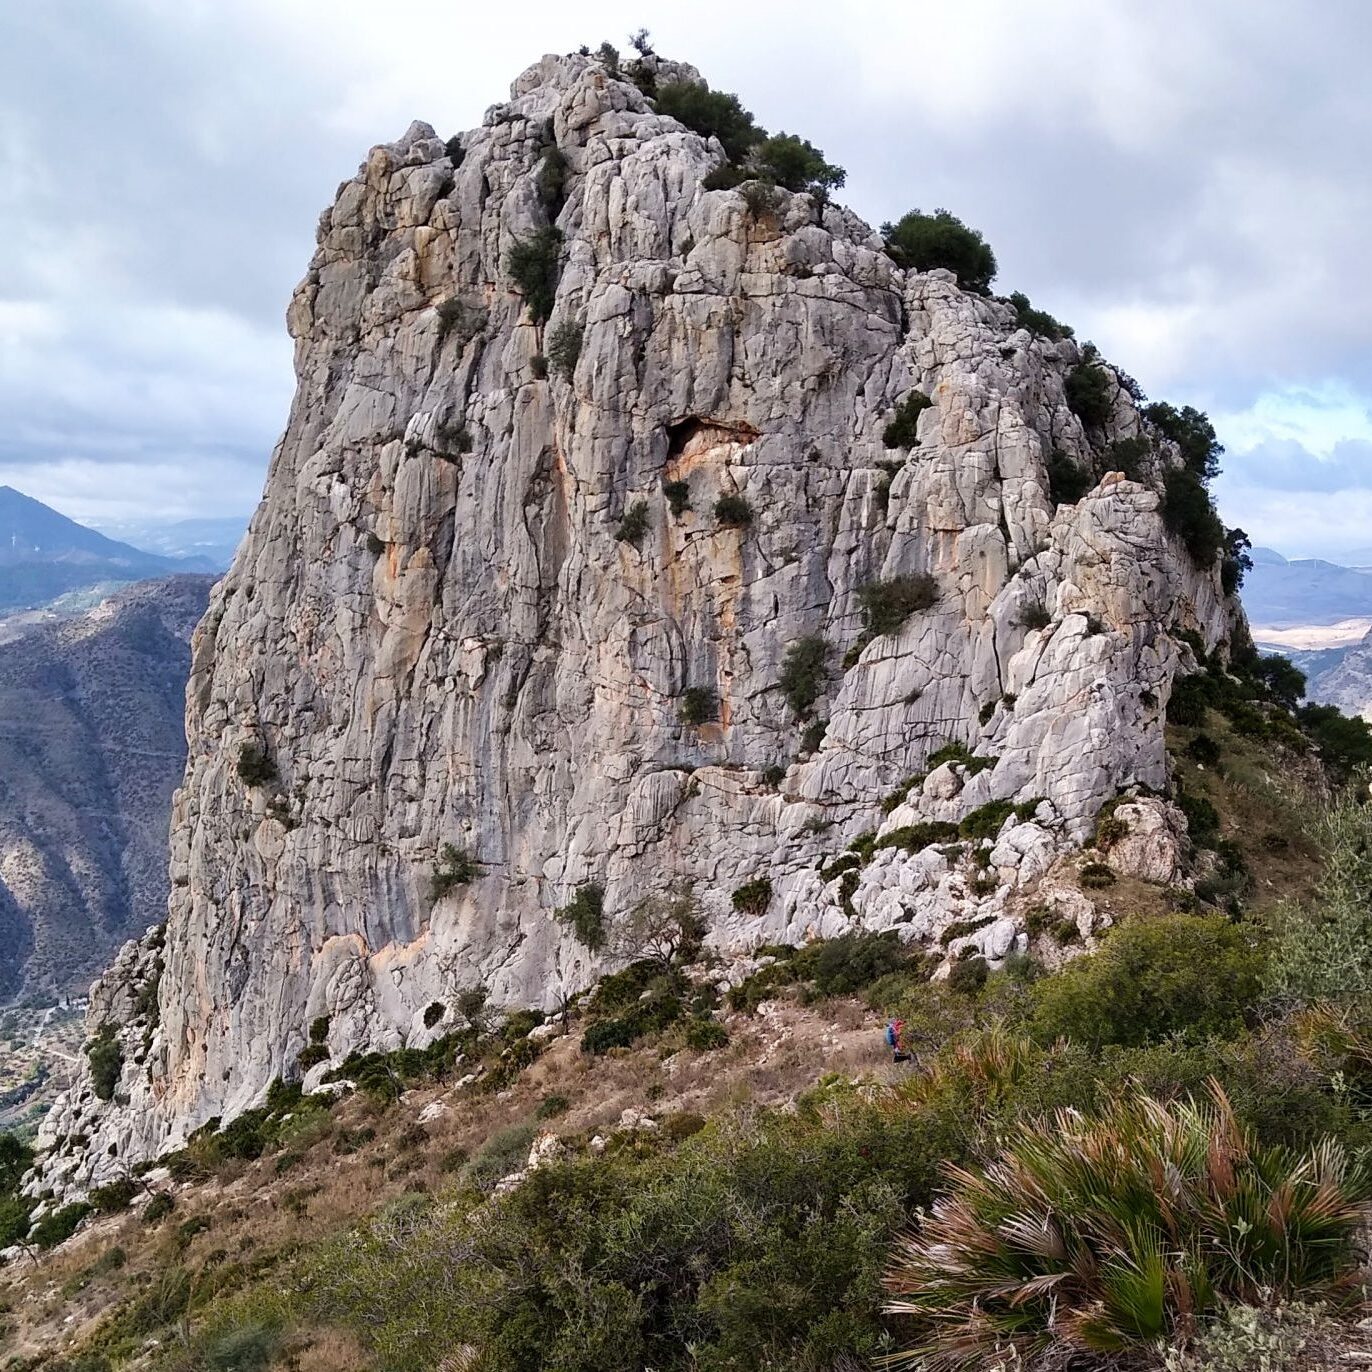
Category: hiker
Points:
column 895, row 1030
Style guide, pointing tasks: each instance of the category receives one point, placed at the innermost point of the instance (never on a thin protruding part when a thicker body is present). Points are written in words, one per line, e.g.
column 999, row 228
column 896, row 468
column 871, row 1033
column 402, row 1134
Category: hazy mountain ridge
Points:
column 92, row 744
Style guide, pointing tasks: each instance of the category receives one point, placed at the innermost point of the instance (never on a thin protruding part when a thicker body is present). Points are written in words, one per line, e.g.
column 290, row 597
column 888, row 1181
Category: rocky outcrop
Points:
column 434, row 635
column 92, row 745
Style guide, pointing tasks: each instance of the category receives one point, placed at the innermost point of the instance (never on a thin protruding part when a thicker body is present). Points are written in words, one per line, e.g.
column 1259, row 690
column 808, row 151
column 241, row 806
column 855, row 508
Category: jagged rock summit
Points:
column 468, row 613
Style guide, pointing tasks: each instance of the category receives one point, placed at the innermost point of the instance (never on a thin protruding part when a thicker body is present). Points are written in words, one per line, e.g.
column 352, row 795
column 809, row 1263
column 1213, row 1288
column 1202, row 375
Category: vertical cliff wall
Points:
column 433, row 634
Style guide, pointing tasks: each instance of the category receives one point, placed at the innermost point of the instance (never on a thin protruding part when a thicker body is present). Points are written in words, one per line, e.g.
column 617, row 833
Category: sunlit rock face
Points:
column 433, row 634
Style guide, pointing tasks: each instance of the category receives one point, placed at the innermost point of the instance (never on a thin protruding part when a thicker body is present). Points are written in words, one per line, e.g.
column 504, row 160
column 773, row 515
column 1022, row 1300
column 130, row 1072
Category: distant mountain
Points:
column 92, row 745
column 1281, row 594
column 44, row 555
column 208, row 543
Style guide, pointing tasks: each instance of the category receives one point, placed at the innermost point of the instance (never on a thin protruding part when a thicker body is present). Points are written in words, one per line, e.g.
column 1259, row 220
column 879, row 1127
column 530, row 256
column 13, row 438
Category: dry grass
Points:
column 258, row 1217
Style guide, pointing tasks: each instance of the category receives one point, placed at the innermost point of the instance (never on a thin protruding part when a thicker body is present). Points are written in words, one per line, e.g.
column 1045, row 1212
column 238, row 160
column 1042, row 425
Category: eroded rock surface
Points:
column 434, row 636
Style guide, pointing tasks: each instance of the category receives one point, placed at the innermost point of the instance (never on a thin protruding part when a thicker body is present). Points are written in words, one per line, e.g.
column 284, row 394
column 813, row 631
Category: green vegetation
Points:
column 1037, row 321
column 564, row 348
column 1175, row 974
column 1067, row 482
column 733, row 512
column 456, row 867
column 886, row 605
column 1089, row 1237
column 1090, row 395
column 753, row 897
column 921, row 242
column 533, row 265
column 712, row 114
column 699, row 705
column 903, row 429
column 678, row 494
column 255, row 765
column 584, row 915
column 782, row 159
column 962, row 755
column 551, row 180
column 1035, row 615
column 1128, row 456
column 106, row 1061
column 803, row 673
column 1193, row 434
column 635, row 523
column 1189, row 515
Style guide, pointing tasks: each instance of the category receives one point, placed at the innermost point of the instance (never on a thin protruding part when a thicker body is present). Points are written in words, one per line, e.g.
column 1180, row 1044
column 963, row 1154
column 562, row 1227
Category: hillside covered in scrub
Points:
column 686, row 630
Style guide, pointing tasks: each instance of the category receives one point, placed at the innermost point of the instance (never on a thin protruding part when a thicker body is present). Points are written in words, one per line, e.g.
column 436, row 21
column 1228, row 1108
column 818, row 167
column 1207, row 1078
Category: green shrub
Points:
column 1189, row 514
column 914, row 838
column 1187, row 704
column 1090, row 1238
column 1067, row 482
column 1035, row 615
column 1037, row 321
column 699, row 705
column 106, row 1061
column 115, row 1196
column 921, row 242
column 248, row 1348
column 774, row 776
column 1190, row 975
column 1095, row 876
column 968, row 976
column 903, row 429
column 564, row 348
column 886, row 605
column 1282, row 679
column 158, row 1208
column 433, row 1013
column 1204, row 750
column 813, row 735
column 311, row 1055
column 634, row 524
column 538, row 365
column 986, row 821
column 1324, row 948
column 533, row 264
column 551, row 180
column 1129, row 457
column 733, row 512
column 1089, row 394
column 705, row 1035
column 1235, row 564
column 1193, row 434
column 57, row 1226
column 462, row 318
column 961, row 754
column 584, row 915
column 840, row 966
column 712, row 114
column 456, row 867
column 678, row 494
column 504, row 1152
column 753, row 897
column 803, row 672
column 795, row 164
column 1344, row 741
column 14, row 1219
column 319, row 1029
column 550, row 1107
column 755, row 1243
column 255, row 765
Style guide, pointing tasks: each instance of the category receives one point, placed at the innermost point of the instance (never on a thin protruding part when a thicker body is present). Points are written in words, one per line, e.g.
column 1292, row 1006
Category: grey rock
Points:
column 434, row 633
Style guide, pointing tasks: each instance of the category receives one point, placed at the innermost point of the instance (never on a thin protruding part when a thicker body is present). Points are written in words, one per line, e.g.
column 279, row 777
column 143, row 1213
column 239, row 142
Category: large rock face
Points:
column 436, row 638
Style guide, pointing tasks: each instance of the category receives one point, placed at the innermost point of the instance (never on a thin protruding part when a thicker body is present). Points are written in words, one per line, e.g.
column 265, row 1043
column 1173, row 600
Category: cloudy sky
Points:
column 1186, row 184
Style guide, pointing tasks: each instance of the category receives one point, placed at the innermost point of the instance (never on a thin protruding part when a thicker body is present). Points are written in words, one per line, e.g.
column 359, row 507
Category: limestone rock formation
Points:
column 468, row 614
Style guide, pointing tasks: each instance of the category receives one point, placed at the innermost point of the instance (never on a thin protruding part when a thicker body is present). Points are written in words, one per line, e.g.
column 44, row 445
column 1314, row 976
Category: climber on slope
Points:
column 895, row 1030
